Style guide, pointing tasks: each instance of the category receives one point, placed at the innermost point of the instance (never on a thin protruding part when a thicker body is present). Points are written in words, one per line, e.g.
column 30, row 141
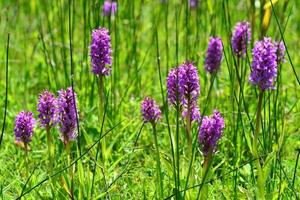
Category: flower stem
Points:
column 188, row 124
column 71, row 173
column 26, row 151
column 101, row 111
column 26, row 158
column 159, row 175
column 188, row 134
column 205, row 174
column 177, row 149
column 49, row 142
column 260, row 179
column 101, row 94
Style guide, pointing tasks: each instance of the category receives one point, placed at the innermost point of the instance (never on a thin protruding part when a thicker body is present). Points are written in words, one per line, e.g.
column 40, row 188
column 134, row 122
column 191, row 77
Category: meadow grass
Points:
column 45, row 45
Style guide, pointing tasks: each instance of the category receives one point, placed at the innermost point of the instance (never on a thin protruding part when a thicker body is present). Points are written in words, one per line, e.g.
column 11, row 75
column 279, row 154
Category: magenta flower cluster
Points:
column 264, row 64
column 47, row 108
column 174, row 96
column 183, row 87
column 100, row 48
column 280, row 52
column 194, row 112
column 188, row 80
column 109, row 8
column 210, row 132
column 241, row 38
column 67, row 115
column 193, row 3
column 214, row 55
column 24, row 125
column 189, row 88
column 51, row 111
column 150, row 110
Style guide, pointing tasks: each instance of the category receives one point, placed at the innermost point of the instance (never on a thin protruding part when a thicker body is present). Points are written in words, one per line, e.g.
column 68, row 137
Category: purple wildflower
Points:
column 172, row 86
column 210, row 132
column 47, row 108
column 264, row 64
column 193, row 3
column 24, row 125
column 67, row 116
column 101, row 52
column 109, row 8
column 241, row 38
column 150, row 110
column 183, row 87
column 280, row 52
column 188, row 81
column 214, row 55
column 194, row 113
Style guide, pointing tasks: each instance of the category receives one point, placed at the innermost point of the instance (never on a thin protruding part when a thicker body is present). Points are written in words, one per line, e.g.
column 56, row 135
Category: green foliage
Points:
column 148, row 39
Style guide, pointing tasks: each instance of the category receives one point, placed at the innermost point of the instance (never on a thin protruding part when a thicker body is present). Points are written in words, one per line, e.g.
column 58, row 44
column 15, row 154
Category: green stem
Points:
column 50, row 155
column 188, row 124
column 260, row 179
column 101, row 111
column 177, row 149
column 26, row 158
column 71, row 173
column 188, row 135
column 159, row 175
column 202, row 193
column 26, row 152
column 49, row 142
column 101, row 96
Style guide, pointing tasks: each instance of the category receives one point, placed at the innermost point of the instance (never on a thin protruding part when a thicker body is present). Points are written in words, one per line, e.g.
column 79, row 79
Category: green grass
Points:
column 45, row 45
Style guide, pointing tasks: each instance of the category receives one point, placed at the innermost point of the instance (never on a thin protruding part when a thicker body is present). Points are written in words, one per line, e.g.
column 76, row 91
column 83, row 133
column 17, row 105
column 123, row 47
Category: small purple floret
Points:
column 241, row 38
column 210, row 132
column 172, row 87
column 280, row 52
column 193, row 3
column 24, row 125
column 188, row 80
column 183, row 87
column 109, row 8
column 101, row 58
column 150, row 110
column 67, row 116
column 47, row 108
column 264, row 64
column 214, row 55
column 194, row 113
